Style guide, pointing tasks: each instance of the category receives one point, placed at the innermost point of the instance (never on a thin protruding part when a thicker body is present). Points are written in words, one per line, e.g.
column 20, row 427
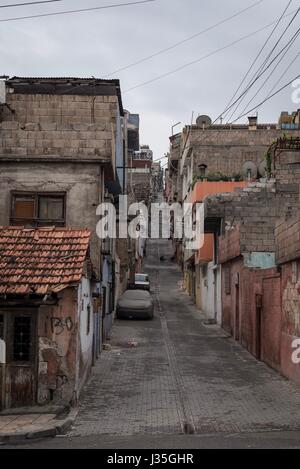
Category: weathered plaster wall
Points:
column 65, row 345
column 241, row 317
column 290, row 319
column 57, row 335
column 207, row 290
column 85, row 345
column 81, row 182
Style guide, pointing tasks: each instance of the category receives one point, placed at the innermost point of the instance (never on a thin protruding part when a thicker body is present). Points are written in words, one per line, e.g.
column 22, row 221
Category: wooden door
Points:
column 237, row 313
column 271, row 322
column 20, row 373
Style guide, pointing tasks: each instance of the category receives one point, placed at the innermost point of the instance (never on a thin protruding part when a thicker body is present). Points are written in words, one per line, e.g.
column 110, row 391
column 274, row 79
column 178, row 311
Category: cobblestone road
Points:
column 183, row 377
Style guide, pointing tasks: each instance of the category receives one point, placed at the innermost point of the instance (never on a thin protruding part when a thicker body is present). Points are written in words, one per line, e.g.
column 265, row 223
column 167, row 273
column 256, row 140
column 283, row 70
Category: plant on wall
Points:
column 214, row 177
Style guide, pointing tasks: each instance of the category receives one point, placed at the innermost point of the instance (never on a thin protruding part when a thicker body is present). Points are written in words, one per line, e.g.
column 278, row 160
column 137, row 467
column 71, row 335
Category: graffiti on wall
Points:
column 60, row 325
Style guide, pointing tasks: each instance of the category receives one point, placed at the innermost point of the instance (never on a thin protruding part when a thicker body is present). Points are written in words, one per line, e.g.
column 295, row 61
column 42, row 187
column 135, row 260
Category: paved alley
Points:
column 183, row 376
column 184, row 381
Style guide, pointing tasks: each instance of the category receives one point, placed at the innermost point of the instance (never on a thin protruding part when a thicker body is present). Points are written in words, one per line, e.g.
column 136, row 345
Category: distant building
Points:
column 145, row 153
column 139, row 174
column 157, row 177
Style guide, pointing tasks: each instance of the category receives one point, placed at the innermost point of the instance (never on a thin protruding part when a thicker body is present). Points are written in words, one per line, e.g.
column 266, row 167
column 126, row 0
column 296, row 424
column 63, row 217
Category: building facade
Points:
column 47, row 309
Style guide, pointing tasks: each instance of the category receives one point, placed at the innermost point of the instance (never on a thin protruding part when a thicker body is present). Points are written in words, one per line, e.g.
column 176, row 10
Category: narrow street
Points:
column 185, row 384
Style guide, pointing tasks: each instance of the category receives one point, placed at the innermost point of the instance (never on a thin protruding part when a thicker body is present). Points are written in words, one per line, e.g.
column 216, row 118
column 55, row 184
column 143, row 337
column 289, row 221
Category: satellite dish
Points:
column 249, row 170
column 262, row 168
column 204, row 121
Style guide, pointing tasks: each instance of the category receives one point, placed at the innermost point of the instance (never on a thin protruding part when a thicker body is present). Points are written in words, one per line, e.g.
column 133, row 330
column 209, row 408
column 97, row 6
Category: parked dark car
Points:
column 135, row 304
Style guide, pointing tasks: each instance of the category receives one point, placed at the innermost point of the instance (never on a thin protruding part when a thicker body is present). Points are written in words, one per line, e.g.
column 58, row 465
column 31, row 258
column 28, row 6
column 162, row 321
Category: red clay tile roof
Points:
column 42, row 260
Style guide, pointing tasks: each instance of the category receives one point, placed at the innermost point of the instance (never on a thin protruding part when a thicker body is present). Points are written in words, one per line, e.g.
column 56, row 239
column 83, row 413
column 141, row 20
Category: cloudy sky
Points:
column 100, row 42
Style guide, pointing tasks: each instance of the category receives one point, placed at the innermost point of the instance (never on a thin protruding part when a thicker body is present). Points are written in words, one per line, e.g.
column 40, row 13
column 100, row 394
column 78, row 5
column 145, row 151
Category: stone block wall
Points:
column 225, row 150
column 229, row 245
column 58, row 125
column 257, row 209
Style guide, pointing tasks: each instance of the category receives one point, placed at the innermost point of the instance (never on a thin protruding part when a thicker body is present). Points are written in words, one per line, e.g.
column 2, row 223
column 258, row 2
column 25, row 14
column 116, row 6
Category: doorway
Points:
column 237, row 313
column 19, row 332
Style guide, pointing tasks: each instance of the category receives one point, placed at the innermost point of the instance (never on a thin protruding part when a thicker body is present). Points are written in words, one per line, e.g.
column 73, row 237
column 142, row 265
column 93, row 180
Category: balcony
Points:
column 204, row 188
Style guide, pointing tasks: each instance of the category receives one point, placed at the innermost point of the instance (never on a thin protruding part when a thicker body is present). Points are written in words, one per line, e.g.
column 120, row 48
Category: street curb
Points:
column 59, row 427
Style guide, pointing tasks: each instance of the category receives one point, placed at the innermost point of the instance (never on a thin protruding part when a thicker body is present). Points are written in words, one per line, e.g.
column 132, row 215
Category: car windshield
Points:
column 136, row 294
column 141, row 278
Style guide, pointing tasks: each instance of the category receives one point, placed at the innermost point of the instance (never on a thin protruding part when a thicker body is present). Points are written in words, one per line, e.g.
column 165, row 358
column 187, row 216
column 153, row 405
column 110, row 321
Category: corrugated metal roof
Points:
column 41, row 260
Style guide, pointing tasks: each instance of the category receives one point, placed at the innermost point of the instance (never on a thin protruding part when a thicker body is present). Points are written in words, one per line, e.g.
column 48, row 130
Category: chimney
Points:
column 2, row 91
column 252, row 122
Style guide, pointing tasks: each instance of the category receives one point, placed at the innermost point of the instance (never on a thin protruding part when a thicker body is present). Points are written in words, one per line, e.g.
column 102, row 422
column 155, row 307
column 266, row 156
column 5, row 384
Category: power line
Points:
column 261, row 73
column 171, row 72
column 29, row 3
column 256, row 74
column 189, row 38
column 81, row 10
column 284, row 73
column 271, row 73
column 266, row 99
column 256, row 58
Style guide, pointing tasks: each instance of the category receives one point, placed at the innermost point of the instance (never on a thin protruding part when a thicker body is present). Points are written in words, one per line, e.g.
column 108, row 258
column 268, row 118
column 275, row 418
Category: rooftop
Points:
column 41, row 261
column 65, row 85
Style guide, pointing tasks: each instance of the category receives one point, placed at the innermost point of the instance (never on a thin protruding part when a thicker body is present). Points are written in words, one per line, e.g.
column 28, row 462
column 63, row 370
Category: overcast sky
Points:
column 100, row 42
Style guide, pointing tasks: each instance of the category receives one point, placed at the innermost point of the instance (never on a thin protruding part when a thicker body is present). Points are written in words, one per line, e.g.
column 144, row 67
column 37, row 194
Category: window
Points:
column 51, row 208
column 141, row 278
column 21, row 339
column 38, row 209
